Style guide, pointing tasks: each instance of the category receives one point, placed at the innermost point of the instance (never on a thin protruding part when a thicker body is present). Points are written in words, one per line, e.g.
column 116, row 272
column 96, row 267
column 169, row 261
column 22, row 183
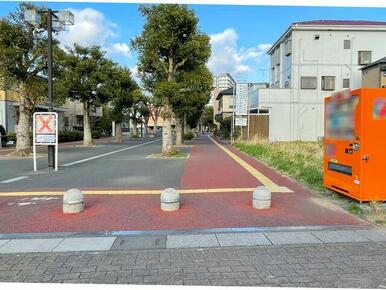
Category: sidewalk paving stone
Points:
column 374, row 235
column 191, row 241
column 340, row 236
column 242, row 239
column 3, row 242
column 139, row 242
column 29, row 245
column 85, row 244
column 288, row 238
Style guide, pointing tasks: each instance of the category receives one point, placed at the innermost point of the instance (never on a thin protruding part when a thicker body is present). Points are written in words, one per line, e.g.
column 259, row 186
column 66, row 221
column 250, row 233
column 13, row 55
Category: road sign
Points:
column 241, row 99
column 45, row 132
column 241, row 121
column 45, row 128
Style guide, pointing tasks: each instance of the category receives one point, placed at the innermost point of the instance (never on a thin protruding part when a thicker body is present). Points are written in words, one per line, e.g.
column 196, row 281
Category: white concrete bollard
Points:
column 73, row 201
column 170, row 200
column 261, row 198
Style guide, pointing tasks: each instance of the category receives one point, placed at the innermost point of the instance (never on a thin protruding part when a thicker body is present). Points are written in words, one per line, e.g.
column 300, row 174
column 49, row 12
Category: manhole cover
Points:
column 139, row 242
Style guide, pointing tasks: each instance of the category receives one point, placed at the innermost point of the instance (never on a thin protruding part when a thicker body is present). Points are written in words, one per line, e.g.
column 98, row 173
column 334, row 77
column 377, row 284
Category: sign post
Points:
column 241, row 105
column 45, row 133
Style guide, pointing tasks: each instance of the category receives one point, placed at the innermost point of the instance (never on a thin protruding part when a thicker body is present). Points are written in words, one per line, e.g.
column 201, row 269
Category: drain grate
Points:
column 139, row 242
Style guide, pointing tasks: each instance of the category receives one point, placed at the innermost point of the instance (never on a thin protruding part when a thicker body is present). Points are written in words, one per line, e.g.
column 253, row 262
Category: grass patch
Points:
column 300, row 160
column 303, row 161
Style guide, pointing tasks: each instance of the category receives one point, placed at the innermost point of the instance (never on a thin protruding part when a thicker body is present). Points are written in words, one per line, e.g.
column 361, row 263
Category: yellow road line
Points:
column 278, row 189
column 253, row 171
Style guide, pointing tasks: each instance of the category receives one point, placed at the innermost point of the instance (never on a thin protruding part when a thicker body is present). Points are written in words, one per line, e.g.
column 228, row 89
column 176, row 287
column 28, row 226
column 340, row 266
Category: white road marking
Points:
column 109, row 153
column 14, row 179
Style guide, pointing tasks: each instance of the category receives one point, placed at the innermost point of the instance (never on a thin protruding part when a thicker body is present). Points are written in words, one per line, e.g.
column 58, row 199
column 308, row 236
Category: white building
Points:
column 310, row 61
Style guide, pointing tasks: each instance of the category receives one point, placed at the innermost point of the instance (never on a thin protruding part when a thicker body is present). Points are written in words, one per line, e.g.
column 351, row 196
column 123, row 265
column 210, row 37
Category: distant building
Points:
column 73, row 117
column 221, row 82
column 225, row 100
column 374, row 74
column 310, row 61
column 9, row 110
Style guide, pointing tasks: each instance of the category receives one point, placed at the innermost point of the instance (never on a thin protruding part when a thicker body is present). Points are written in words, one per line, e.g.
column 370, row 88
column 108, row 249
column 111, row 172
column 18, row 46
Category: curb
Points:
column 217, row 238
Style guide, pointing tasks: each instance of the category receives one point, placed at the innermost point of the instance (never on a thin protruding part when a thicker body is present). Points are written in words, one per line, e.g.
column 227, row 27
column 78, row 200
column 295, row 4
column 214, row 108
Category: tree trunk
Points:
column 155, row 121
column 183, row 126
column 134, row 131
column 179, row 137
column 87, row 137
column 167, row 138
column 23, row 143
column 146, row 127
column 118, row 131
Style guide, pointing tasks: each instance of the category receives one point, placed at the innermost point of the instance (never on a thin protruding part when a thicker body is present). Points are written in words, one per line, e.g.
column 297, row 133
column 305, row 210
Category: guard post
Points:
column 45, row 133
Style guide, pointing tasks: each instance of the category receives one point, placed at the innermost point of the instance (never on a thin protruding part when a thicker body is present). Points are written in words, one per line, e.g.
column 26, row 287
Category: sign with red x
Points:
column 45, row 128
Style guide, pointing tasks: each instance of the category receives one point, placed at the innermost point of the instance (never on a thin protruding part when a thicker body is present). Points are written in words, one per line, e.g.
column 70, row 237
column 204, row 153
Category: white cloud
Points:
column 120, row 49
column 90, row 28
column 227, row 57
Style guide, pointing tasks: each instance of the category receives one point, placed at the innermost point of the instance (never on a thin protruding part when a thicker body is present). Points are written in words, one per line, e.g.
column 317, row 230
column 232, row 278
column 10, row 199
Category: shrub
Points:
column 70, row 136
column 188, row 135
column 96, row 134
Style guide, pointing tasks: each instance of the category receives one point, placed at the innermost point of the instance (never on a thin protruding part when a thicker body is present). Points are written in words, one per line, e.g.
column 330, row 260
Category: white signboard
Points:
column 45, row 128
column 45, row 132
column 241, row 121
column 241, row 99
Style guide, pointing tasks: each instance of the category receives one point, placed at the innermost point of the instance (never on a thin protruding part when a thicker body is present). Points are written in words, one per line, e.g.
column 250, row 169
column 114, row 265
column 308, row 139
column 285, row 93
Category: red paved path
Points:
column 208, row 167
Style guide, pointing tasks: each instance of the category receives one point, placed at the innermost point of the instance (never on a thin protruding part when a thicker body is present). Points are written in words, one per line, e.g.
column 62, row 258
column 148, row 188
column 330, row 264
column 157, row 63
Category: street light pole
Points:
column 62, row 18
column 51, row 148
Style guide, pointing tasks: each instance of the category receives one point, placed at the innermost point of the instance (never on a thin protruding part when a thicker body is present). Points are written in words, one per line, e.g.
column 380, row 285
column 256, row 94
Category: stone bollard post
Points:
column 73, row 201
column 261, row 198
column 170, row 200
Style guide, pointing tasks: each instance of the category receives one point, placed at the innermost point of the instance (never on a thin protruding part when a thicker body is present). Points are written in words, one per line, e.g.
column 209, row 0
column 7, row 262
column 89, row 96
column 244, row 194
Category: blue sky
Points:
column 240, row 35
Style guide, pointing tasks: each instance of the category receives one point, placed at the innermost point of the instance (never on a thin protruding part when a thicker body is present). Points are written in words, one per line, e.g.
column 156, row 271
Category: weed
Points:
column 354, row 208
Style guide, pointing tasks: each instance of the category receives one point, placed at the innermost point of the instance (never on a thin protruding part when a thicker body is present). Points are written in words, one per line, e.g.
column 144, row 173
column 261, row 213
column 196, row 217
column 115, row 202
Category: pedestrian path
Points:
column 191, row 240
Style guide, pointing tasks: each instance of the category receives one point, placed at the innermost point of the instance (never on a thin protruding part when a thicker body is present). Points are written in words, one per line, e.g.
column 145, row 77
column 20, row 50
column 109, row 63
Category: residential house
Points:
column 374, row 74
column 310, row 61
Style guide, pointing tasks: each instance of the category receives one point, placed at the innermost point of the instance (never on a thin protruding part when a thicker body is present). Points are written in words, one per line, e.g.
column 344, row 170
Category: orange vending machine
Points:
column 355, row 143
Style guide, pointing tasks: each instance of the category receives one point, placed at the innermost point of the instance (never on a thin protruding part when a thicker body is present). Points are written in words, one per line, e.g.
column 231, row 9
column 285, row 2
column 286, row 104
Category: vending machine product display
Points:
column 355, row 143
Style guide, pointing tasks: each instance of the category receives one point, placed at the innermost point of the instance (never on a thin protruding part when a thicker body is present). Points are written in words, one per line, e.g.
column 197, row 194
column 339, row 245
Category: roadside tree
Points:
column 23, row 68
column 88, row 80
column 123, row 94
column 170, row 44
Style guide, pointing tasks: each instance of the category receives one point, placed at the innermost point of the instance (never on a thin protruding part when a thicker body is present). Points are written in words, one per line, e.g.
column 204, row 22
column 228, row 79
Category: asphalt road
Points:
column 106, row 166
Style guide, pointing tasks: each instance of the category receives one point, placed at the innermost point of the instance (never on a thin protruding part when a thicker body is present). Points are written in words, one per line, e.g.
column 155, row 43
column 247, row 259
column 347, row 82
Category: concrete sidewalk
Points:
column 160, row 240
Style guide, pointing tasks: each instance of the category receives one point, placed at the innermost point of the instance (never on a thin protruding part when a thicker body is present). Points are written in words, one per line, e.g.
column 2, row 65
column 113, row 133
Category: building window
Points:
column 277, row 57
column 328, row 83
column 346, row 83
column 347, row 44
column 286, row 85
column 364, row 57
column 308, row 82
column 288, row 47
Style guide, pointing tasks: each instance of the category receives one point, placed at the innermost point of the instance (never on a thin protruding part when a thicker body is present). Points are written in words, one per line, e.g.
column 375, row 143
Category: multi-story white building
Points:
column 223, row 81
column 310, row 61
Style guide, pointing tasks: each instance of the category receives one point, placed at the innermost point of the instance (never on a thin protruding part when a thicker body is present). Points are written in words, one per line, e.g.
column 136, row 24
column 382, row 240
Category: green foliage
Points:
column 124, row 92
column 70, row 136
column 188, row 135
column 172, row 56
column 88, row 75
column 96, row 133
column 354, row 208
column 301, row 160
column 207, row 117
column 23, row 57
column 225, row 128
